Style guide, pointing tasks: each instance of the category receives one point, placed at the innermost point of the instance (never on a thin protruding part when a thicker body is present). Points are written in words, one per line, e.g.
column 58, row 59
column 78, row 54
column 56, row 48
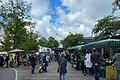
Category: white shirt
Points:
column 47, row 58
column 88, row 62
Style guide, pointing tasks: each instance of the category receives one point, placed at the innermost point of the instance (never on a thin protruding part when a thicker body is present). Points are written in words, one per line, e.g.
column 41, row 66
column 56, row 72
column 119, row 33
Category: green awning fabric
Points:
column 99, row 44
column 103, row 43
column 76, row 47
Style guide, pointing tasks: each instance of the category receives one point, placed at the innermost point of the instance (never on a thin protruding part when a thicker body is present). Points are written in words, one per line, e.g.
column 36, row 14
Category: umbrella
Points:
column 3, row 53
column 44, row 50
column 15, row 50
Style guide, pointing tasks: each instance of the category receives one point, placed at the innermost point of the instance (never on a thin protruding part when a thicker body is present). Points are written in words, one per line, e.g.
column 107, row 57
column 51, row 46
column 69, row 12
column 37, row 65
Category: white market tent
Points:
column 44, row 49
column 15, row 50
column 3, row 53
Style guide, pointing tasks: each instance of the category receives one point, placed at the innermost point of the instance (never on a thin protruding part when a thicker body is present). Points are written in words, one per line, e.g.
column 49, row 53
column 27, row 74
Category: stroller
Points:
column 41, row 68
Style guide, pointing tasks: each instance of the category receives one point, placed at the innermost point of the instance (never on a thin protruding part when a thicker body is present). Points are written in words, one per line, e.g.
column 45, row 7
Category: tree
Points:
column 14, row 18
column 116, row 5
column 106, row 27
column 43, row 42
column 31, row 42
column 52, row 42
column 72, row 40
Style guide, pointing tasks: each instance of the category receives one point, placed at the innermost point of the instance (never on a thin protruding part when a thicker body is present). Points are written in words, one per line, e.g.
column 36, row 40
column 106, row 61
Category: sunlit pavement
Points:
column 24, row 74
column 7, row 74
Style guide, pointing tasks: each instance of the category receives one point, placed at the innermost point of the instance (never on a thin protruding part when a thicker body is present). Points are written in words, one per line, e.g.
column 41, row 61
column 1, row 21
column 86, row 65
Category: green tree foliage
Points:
column 43, row 42
column 14, row 18
column 106, row 27
column 72, row 40
column 52, row 42
column 116, row 5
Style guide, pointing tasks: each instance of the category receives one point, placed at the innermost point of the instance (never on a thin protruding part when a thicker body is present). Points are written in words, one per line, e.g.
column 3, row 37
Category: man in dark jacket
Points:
column 62, row 63
column 33, row 62
column 1, row 61
column 95, row 59
column 7, row 60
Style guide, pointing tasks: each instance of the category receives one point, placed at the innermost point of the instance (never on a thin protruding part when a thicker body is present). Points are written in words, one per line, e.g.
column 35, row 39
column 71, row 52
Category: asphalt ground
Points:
column 72, row 74
column 7, row 74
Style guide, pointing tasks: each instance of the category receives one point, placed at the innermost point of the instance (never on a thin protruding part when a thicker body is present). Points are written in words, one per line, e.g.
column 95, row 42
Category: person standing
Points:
column 95, row 59
column 116, row 59
column 7, row 60
column 1, row 61
column 18, row 60
column 88, row 63
column 62, row 67
column 78, row 63
column 11, row 61
column 33, row 62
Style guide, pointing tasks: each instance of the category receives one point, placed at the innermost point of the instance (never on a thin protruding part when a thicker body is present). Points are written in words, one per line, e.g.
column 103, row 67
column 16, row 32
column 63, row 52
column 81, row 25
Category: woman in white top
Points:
column 88, row 62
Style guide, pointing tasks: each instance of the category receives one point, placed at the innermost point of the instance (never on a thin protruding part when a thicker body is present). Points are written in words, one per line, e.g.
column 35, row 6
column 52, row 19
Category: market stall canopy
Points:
column 15, row 50
column 77, row 47
column 3, row 53
column 103, row 44
column 45, row 50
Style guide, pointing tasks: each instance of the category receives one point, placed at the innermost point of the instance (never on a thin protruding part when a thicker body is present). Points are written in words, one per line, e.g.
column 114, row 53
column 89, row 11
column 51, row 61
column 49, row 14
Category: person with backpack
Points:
column 62, row 67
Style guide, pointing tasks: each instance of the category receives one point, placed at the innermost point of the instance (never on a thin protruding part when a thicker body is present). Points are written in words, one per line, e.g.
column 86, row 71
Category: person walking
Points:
column 11, row 61
column 95, row 59
column 116, row 60
column 1, row 61
column 45, row 63
column 62, row 67
column 33, row 62
column 7, row 60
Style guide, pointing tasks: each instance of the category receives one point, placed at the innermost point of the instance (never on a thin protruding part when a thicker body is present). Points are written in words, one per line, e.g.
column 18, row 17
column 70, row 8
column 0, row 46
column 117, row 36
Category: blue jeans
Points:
column 62, row 76
column 97, row 73
column 118, row 74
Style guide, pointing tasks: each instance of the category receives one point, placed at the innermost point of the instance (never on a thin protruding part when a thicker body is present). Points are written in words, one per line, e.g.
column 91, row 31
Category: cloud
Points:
column 40, row 8
column 83, row 14
column 81, row 17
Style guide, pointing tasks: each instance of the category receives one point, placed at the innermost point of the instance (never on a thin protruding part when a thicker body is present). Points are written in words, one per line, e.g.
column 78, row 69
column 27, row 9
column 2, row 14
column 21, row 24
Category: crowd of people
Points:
column 89, row 64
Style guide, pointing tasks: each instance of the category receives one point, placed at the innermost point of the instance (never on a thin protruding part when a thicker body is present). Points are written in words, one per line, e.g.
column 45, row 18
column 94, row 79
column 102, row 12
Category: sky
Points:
column 59, row 18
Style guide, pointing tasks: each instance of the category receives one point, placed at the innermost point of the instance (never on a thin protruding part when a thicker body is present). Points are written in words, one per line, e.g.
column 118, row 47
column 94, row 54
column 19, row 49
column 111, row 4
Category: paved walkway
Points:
column 24, row 74
column 7, row 74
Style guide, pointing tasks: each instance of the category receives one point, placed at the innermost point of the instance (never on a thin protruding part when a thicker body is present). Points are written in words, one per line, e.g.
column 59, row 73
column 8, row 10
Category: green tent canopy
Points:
column 76, row 47
column 103, row 44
